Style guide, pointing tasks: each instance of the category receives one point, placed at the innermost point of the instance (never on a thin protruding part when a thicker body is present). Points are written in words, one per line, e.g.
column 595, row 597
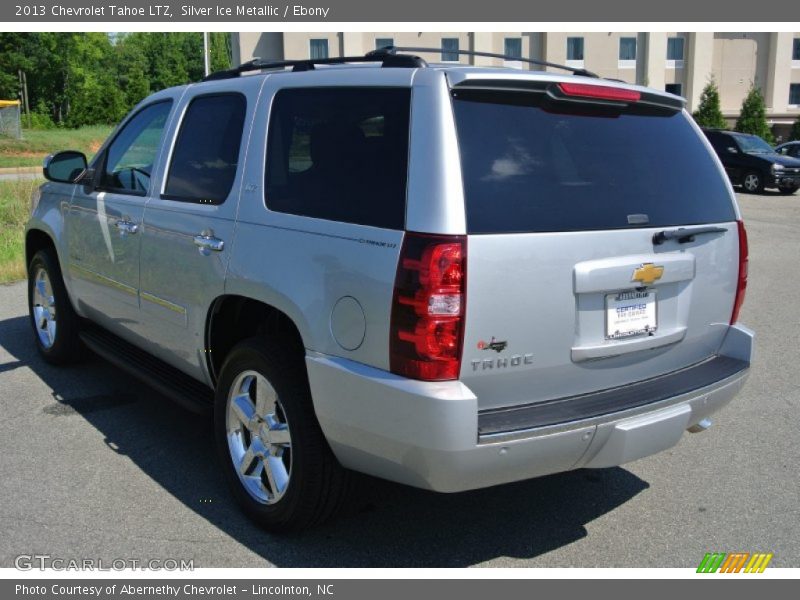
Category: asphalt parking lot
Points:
column 94, row 465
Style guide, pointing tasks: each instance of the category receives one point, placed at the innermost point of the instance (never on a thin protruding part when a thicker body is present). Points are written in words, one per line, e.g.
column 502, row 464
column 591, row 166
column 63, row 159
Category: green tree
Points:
column 753, row 116
column 92, row 92
column 87, row 78
column 709, row 112
column 219, row 51
column 132, row 69
column 794, row 134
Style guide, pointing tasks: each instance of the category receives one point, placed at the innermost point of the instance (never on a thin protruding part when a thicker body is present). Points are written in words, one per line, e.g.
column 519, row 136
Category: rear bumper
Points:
column 427, row 434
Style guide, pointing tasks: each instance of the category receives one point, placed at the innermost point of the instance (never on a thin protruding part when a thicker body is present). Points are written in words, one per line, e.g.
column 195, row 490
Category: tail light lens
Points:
column 741, row 283
column 427, row 327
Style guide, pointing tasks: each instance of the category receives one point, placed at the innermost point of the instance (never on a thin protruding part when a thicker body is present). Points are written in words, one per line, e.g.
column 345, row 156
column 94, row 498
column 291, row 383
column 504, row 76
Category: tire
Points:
column 301, row 483
column 753, row 182
column 788, row 190
column 54, row 322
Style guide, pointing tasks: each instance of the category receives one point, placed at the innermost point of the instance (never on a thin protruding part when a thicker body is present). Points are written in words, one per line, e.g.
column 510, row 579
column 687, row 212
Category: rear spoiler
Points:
column 576, row 92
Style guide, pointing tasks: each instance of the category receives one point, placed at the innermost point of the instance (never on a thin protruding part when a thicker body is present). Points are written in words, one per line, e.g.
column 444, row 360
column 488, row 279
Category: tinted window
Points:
column 318, row 48
column 513, row 47
column 128, row 162
column 794, row 94
column 450, row 49
column 528, row 170
column 627, row 48
column 339, row 154
column 574, row 48
column 206, row 153
column 675, row 48
column 721, row 143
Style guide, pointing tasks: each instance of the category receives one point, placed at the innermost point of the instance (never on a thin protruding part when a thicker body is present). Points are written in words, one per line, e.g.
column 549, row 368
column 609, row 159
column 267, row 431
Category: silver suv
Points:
column 446, row 276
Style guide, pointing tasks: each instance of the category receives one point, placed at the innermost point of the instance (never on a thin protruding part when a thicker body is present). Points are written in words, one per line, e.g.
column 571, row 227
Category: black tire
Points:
column 788, row 190
column 753, row 182
column 317, row 486
column 63, row 346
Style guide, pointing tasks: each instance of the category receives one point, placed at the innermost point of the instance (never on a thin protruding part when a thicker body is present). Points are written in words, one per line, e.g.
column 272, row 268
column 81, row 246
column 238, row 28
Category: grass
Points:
column 14, row 209
column 38, row 143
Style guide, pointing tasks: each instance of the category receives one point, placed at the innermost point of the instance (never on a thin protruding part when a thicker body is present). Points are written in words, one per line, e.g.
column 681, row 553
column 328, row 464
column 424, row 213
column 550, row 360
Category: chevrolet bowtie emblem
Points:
column 647, row 273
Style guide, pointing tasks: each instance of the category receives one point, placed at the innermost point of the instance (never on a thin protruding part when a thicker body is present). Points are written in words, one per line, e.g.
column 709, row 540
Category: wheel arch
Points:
column 233, row 318
column 38, row 239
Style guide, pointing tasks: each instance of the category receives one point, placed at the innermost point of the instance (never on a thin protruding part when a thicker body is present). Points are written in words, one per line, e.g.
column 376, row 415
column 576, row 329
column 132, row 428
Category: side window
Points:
column 721, row 143
column 128, row 163
column 206, row 153
column 339, row 154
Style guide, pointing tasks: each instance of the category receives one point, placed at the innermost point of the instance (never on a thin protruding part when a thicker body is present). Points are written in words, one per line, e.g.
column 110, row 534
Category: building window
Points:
column 627, row 53
column 575, row 52
column 383, row 42
column 318, row 48
column 794, row 94
column 674, row 88
column 796, row 53
column 513, row 48
column 574, row 48
column 675, row 52
column 449, row 49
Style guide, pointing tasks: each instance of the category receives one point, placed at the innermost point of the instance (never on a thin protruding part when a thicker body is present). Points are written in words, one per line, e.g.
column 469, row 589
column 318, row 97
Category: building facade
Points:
column 679, row 62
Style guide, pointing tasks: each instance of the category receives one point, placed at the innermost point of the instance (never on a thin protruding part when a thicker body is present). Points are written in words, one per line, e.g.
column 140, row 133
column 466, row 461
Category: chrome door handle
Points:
column 127, row 226
column 209, row 242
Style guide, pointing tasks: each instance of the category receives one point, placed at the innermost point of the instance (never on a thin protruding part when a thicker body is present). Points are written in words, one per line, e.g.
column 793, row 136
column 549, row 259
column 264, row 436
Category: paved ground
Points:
column 94, row 465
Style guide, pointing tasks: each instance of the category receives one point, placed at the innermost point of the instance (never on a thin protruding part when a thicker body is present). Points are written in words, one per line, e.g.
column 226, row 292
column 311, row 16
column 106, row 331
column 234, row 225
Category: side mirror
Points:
column 65, row 167
column 733, row 150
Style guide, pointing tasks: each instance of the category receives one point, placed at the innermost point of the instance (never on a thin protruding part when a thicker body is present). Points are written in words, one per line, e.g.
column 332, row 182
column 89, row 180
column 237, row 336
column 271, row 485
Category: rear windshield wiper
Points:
column 684, row 235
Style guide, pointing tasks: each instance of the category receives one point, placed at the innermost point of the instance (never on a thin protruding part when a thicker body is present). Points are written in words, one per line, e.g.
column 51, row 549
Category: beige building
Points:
column 678, row 62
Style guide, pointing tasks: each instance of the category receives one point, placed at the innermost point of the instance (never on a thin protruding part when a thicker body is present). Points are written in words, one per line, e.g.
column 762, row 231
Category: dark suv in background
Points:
column 752, row 163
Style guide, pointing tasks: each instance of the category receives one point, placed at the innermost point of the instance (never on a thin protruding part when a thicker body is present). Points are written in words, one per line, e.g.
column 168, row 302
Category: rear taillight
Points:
column 599, row 92
column 427, row 327
column 741, row 283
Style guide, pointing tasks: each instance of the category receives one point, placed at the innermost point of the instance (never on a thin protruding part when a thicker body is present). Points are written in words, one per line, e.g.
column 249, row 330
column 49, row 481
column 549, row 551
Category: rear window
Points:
column 527, row 169
column 339, row 154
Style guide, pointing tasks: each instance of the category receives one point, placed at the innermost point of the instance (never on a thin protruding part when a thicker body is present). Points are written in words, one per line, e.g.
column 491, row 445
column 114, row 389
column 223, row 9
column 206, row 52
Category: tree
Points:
column 753, row 116
column 794, row 134
column 709, row 112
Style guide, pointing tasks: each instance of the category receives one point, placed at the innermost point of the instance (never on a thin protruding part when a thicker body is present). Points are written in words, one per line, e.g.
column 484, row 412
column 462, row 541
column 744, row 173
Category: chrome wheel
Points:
column 44, row 308
column 259, row 441
column 752, row 182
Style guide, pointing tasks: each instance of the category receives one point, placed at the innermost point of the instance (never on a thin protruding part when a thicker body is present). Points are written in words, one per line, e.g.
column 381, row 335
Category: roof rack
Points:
column 393, row 50
column 388, row 56
column 386, row 60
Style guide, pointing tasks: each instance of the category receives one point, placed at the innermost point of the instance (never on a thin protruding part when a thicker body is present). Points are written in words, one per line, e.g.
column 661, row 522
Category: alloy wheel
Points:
column 259, row 439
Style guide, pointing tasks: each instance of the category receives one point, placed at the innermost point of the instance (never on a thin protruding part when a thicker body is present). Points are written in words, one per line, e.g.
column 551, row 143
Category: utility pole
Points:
column 23, row 84
column 206, row 69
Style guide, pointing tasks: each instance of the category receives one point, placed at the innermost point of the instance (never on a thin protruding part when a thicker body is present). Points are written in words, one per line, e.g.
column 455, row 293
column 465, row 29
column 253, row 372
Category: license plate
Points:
column 630, row 313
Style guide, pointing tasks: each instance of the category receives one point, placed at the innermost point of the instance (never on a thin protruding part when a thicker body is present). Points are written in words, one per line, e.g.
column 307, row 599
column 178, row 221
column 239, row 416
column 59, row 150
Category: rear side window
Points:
column 339, row 154
column 206, row 153
column 527, row 169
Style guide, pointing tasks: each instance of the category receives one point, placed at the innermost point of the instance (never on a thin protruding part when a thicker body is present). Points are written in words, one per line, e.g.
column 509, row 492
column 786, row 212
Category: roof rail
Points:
column 386, row 60
column 393, row 50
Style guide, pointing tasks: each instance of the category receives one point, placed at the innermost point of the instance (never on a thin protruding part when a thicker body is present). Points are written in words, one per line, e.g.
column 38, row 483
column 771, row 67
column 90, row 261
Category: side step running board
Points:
column 173, row 383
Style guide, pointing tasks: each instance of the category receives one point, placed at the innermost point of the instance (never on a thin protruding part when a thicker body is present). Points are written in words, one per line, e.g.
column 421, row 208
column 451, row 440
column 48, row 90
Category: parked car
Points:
column 446, row 276
column 789, row 149
column 752, row 163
